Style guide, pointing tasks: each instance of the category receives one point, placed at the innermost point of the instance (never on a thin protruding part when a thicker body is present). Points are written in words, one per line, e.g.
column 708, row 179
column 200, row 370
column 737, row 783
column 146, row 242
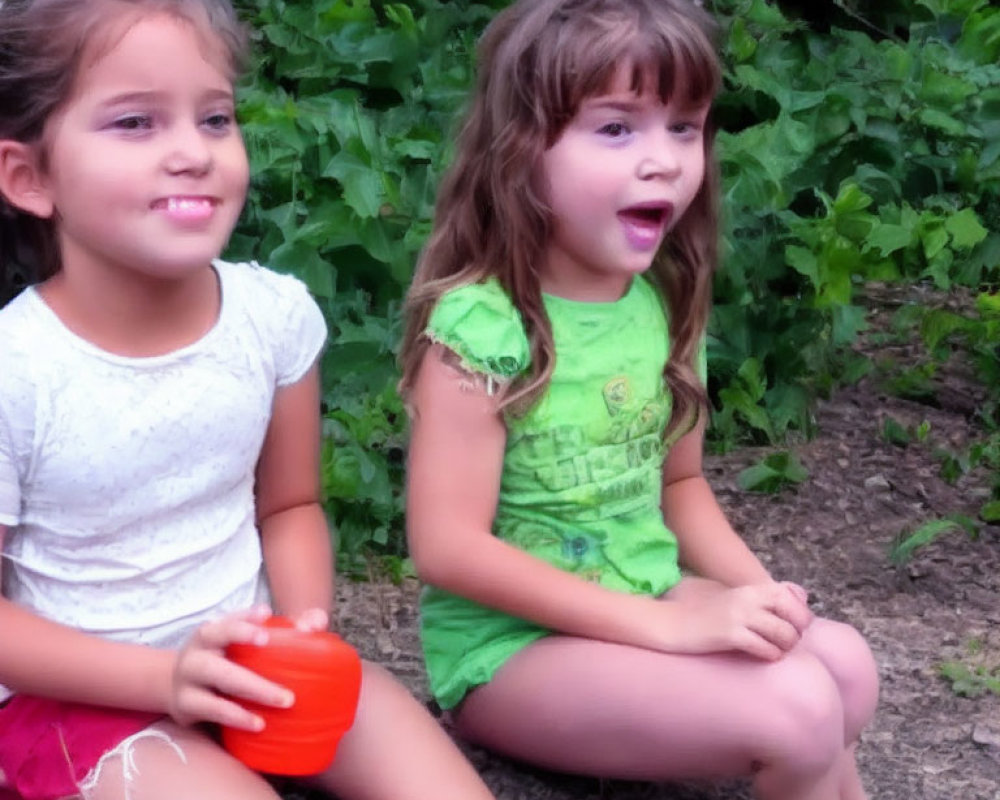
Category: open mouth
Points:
column 645, row 223
column 647, row 214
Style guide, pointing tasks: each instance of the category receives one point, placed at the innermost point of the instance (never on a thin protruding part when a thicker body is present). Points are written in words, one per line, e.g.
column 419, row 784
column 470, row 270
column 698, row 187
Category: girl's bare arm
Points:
column 453, row 481
column 708, row 544
column 456, row 456
column 51, row 660
column 294, row 535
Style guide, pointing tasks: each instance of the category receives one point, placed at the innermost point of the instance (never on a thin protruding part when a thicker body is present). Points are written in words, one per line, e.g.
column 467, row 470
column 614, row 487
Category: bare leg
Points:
column 186, row 763
column 397, row 751
column 850, row 663
column 590, row 707
column 843, row 652
column 848, row 659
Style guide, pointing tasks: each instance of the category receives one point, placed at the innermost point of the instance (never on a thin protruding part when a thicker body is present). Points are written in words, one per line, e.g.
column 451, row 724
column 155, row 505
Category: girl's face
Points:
column 146, row 170
column 621, row 174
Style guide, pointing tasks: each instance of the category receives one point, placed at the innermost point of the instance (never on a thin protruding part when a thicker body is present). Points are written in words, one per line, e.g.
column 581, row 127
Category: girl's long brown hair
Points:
column 538, row 61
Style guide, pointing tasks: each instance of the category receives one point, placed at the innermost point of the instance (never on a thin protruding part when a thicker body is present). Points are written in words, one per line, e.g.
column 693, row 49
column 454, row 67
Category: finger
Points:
column 313, row 619
column 787, row 605
column 797, row 591
column 242, row 628
column 240, row 682
column 753, row 644
column 205, row 669
column 799, row 615
column 199, row 705
column 776, row 631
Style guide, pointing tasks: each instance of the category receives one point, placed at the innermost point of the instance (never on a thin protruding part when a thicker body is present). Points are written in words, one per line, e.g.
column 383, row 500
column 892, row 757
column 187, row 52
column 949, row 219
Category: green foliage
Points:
column 775, row 472
column 854, row 146
column 346, row 113
column 363, row 445
column 907, row 544
column 974, row 335
column 869, row 150
column 901, row 435
column 974, row 675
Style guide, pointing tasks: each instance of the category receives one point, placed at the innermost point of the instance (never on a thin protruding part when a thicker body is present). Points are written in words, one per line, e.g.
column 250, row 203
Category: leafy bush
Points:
column 849, row 155
column 853, row 148
column 346, row 113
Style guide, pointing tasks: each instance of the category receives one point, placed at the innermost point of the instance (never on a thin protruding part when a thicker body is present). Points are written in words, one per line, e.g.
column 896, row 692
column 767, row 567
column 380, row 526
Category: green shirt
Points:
column 581, row 478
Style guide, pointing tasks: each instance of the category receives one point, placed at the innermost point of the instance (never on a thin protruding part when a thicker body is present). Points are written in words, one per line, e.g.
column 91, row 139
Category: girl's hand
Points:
column 763, row 620
column 312, row 619
column 203, row 676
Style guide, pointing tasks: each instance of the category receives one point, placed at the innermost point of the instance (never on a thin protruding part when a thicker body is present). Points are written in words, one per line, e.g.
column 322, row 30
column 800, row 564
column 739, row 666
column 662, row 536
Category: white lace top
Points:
column 127, row 484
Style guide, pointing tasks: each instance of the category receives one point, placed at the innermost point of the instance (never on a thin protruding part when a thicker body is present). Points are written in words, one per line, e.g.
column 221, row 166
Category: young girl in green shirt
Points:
column 588, row 607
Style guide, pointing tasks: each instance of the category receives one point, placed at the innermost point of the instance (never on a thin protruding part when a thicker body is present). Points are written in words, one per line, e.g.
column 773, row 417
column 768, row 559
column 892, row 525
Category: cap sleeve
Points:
column 289, row 323
column 480, row 325
column 303, row 333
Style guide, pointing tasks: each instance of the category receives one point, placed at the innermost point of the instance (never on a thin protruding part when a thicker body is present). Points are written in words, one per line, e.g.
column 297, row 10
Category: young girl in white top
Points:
column 159, row 428
column 555, row 369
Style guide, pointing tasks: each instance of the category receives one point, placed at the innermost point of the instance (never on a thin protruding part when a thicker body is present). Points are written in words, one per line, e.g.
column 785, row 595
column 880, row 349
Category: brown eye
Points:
column 218, row 122
column 134, row 122
column 614, row 129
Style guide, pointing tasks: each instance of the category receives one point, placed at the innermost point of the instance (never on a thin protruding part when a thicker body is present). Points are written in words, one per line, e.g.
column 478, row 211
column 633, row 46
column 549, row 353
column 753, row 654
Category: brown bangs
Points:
column 685, row 69
column 675, row 60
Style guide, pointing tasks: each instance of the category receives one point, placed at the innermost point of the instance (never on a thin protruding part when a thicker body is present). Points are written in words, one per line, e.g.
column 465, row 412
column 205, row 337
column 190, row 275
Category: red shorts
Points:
column 48, row 747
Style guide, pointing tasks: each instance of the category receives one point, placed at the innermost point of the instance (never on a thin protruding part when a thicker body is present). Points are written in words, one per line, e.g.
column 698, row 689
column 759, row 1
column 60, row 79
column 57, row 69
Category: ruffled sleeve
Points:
column 481, row 326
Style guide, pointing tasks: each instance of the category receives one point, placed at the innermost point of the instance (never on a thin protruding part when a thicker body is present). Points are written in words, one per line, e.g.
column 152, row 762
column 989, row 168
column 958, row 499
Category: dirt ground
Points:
column 831, row 534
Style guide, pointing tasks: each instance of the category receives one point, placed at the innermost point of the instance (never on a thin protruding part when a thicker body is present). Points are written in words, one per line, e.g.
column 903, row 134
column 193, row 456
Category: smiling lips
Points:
column 645, row 223
column 186, row 210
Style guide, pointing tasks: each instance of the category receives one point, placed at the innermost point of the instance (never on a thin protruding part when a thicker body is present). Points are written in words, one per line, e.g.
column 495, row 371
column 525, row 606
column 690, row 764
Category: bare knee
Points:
column 849, row 660
column 804, row 734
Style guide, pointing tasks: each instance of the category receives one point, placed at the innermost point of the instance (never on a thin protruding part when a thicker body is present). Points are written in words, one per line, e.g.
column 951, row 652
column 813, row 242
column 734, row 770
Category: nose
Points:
column 661, row 159
column 188, row 151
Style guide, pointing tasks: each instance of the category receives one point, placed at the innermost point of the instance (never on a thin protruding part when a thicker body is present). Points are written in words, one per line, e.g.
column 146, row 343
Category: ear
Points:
column 22, row 181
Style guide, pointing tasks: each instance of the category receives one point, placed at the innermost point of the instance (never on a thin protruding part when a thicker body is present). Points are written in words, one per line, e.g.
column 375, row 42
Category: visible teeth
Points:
column 183, row 204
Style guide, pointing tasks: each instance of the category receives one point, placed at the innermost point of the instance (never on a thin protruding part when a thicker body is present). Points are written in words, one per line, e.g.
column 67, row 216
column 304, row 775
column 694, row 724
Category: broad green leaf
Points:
column 965, row 228
column 304, row 262
column 364, row 188
column 741, row 43
column 889, row 238
column 805, row 262
column 851, row 199
column 935, row 239
column 946, row 123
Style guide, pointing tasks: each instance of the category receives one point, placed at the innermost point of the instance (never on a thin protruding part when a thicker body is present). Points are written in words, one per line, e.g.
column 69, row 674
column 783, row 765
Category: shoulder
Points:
column 261, row 284
column 24, row 332
column 480, row 324
column 280, row 309
column 26, row 353
column 269, row 297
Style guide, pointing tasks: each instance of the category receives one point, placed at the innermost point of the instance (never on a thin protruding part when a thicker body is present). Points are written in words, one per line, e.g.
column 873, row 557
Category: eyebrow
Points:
column 128, row 98
column 612, row 103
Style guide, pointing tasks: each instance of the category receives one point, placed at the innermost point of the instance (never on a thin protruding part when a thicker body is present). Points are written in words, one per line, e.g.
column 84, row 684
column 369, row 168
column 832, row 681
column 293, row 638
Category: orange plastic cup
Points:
column 324, row 672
